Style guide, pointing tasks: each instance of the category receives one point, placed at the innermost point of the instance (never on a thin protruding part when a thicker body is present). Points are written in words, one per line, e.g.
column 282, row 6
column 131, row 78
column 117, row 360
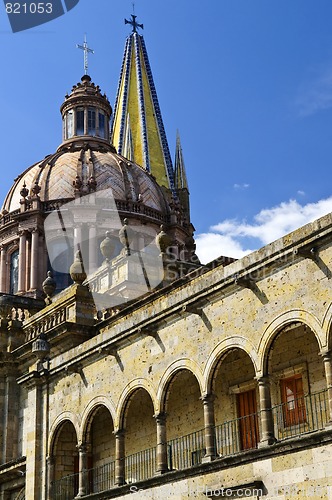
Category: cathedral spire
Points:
column 179, row 168
column 137, row 106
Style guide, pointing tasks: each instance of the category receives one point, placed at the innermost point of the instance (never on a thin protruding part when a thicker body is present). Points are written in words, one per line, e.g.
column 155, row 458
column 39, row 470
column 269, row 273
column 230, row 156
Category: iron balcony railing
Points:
column 237, row 435
column 298, row 416
column 186, row 451
column 294, row 418
column 101, row 478
column 65, row 488
column 141, row 465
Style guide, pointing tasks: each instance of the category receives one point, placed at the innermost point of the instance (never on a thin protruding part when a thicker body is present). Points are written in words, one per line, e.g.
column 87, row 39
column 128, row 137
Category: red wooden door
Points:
column 248, row 422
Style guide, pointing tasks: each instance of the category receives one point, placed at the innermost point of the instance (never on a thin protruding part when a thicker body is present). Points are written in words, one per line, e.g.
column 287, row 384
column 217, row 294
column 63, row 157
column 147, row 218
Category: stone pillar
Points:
column 10, row 421
column 34, row 426
column 22, row 262
column 50, row 461
column 327, row 358
column 3, row 270
column 92, row 248
column 119, row 457
column 34, row 259
column 77, row 238
column 83, row 474
column 162, row 465
column 209, row 427
column 266, row 418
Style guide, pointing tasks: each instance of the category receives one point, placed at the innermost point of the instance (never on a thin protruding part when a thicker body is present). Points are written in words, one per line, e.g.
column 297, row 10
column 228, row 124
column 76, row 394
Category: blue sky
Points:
column 247, row 82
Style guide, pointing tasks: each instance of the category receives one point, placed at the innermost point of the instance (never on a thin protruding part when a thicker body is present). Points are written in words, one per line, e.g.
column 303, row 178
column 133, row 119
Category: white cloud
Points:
column 226, row 238
column 241, row 186
column 212, row 245
column 301, row 193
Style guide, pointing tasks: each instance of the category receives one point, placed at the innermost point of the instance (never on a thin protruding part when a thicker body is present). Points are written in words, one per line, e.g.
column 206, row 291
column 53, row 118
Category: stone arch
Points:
column 89, row 411
column 221, row 350
column 280, row 322
column 327, row 327
column 65, row 460
column 63, row 417
column 168, row 375
column 127, row 393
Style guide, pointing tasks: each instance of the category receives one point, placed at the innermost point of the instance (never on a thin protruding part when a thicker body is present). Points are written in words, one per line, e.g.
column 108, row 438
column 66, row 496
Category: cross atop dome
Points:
column 134, row 24
column 86, row 49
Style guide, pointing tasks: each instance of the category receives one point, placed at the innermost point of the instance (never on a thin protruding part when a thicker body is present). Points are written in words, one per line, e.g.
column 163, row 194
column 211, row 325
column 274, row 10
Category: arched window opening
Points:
column 14, row 260
column 80, row 121
column 91, row 121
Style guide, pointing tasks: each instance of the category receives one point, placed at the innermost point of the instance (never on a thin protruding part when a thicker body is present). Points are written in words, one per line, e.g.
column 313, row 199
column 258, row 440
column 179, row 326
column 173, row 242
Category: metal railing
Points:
column 237, row 435
column 65, row 488
column 298, row 416
column 101, row 478
column 186, row 451
column 141, row 465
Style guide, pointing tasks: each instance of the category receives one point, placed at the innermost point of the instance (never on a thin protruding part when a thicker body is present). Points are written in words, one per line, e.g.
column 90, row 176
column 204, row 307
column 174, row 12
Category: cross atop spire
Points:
column 86, row 50
column 134, row 24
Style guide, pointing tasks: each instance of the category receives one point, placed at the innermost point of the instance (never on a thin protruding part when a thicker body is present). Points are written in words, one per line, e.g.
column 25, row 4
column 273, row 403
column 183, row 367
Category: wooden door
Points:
column 248, row 421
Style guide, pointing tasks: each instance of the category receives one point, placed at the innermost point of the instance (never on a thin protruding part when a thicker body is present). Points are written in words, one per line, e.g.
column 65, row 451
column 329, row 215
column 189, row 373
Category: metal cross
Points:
column 134, row 24
column 86, row 50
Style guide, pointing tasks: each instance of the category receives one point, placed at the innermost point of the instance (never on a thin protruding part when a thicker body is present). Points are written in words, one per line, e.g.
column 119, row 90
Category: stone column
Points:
column 77, row 238
column 266, row 418
column 119, row 457
column 209, row 427
column 50, row 461
column 327, row 358
column 34, row 259
column 92, row 248
column 3, row 270
column 22, row 262
column 34, row 472
column 162, row 465
column 83, row 474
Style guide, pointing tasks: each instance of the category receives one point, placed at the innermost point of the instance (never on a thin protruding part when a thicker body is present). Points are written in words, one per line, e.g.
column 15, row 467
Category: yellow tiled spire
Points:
column 137, row 127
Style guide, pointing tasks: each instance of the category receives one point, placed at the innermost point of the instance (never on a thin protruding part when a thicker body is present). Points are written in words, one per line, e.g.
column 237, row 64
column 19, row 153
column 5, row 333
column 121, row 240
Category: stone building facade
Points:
column 199, row 381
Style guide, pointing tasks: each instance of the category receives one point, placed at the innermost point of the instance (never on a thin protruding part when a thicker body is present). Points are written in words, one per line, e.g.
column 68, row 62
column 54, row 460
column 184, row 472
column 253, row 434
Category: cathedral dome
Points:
column 84, row 169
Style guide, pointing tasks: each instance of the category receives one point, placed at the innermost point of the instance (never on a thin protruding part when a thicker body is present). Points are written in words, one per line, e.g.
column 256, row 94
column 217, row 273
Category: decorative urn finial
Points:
column 49, row 286
column 107, row 247
column 163, row 240
column 76, row 270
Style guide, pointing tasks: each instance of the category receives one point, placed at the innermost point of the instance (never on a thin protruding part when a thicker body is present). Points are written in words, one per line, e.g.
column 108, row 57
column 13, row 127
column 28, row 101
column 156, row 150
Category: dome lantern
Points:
column 85, row 113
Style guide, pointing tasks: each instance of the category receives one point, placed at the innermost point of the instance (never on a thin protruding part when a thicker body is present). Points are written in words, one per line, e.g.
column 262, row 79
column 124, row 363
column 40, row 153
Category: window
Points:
column 14, row 259
column 70, row 124
column 292, row 397
column 91, row 121
column 80, row 121
column 101, row 131
column 248, row 421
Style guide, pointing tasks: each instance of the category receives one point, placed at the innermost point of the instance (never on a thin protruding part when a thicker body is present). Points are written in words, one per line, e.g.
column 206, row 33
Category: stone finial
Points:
column 76, row 270
column 163, row 240
column 24, row 191
column 36, row 189
column 77, row 183
column 92, row 184
column 49, row 286
column 126, row 236
column 107, row 247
